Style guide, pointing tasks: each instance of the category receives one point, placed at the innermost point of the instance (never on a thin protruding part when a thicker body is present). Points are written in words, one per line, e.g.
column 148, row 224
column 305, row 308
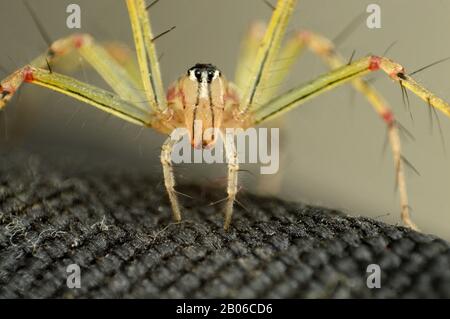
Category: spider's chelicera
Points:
column 203, row 94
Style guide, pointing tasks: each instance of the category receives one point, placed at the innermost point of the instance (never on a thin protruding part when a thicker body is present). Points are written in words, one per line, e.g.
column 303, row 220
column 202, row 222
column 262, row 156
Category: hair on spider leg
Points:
column 241, row 204
column 409, row 165
column 401, row 75
column 48, row 65
column 390, row 46
column 217, row 201
column 405, row 98
column 270, row 5
column 226, row 198
column 432, row 112
column 45, row 36
column 403, row 130
column 428, row 66
column 385, row 144
column 151, row 4
column 243, row 170
column 38, row 23
column 398, row 169
column 184, row 194
column 163, row 33
column 351, row 57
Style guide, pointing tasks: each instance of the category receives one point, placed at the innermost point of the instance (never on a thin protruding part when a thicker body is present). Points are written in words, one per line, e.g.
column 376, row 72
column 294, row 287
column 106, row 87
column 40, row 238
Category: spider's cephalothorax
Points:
column 200, row 101
column 203, row 95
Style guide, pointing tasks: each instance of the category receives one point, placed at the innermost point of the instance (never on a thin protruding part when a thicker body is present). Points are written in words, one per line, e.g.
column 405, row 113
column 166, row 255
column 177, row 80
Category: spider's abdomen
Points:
column 198, row 101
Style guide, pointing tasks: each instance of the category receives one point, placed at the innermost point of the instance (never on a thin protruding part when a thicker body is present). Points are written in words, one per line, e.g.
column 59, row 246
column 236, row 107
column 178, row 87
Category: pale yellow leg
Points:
column 232, row 187
column 169, row 178
column 100, row 59
column 102, row 99
column 267, row 53
column 345, row 74
column 325, row 49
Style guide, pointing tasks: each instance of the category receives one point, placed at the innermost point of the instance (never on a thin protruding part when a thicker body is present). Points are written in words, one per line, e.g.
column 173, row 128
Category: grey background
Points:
column 332, row 146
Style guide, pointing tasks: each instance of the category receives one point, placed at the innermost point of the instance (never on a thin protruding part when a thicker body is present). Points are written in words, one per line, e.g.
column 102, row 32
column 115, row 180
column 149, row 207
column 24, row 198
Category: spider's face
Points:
column 197, row 100
column 204, row 73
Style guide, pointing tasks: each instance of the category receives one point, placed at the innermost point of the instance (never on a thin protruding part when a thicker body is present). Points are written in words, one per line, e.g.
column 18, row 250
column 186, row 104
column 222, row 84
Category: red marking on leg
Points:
column 393, row 75
column 375, row 62
column 78, row 41
column 388, row 117
column 304, row 35
column 28, row 74
column 171, row 94
column 3, row 92
column 232, row 95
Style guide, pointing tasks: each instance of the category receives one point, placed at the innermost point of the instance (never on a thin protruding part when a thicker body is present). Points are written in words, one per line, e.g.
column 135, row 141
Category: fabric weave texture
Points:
column 117, row 227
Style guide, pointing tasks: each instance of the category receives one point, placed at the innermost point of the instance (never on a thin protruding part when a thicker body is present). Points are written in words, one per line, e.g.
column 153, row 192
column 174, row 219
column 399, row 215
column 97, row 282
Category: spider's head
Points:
column 198, row 101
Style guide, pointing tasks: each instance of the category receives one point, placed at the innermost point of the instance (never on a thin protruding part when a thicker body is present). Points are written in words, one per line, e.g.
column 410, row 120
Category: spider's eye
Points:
column 201, row 72
column 210, row 75
column 198, row 75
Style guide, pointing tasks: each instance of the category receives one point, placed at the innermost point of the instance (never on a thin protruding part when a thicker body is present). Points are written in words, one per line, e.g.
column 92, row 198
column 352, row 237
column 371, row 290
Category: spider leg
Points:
column 342, row 75
column 102, row 99
column 325, row 49
column 169, row 179
column 146, row 55
column 100, row 59
column 262, row 64
column 232, row 187
column 125, row 57
column 249, row 48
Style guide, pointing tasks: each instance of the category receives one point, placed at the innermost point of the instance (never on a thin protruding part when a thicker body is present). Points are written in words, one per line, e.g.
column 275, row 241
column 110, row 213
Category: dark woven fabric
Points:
column 117, row 228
